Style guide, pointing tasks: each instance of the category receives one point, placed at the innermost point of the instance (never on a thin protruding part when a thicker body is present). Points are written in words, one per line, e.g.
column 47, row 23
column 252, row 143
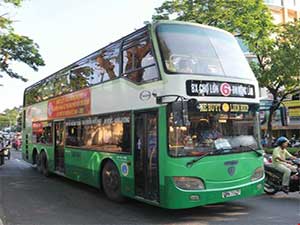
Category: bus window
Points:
column 79, row 77
column 107, row 62
column 42, row 132
column 48, row 89
column 73, row 130
column 100, row 133
column 233, row 132
column 139, row 63
column 204, row 52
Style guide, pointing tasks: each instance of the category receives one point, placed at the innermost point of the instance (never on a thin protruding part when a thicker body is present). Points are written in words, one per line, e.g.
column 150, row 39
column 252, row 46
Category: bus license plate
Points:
column 228, row 194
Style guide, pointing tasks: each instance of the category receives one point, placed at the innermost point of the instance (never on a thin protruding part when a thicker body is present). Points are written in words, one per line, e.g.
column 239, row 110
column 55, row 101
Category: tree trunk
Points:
column 269, row 128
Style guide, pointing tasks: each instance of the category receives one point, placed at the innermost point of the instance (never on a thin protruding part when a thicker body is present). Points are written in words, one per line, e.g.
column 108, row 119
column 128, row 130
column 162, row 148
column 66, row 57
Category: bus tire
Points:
column 38, row 162
column 44, row 164
column 34, row 159
column 111, row 182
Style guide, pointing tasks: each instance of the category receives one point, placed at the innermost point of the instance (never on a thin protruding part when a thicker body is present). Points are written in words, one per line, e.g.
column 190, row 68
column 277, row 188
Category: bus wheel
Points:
column 44, row 164
column 111, row 182
column 37, row 161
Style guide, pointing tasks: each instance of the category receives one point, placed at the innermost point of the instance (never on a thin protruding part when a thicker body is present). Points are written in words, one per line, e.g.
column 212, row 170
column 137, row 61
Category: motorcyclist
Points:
column 281, row 164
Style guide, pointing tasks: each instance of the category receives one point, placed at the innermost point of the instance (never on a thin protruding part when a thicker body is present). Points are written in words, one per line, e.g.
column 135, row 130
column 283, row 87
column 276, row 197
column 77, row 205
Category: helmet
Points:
column 282, row 140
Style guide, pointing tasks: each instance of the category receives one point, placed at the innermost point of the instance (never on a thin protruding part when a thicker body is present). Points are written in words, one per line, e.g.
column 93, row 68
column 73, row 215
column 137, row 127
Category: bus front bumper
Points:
column 176, row 198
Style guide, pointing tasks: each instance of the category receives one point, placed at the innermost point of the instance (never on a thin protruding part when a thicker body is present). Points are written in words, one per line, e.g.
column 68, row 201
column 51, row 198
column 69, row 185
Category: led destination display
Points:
column 215, row 88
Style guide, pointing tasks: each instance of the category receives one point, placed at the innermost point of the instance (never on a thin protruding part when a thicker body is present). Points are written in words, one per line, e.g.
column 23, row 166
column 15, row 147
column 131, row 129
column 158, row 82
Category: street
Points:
column 27, row 197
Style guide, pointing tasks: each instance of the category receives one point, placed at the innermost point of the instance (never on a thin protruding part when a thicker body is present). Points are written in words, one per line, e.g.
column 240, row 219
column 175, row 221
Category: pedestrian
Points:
column 18, row 144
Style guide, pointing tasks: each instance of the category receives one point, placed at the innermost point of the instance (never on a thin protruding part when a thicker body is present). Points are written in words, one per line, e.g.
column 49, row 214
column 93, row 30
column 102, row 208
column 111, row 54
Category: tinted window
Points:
column 42, row 132
column 103, row 133
column 74, row 133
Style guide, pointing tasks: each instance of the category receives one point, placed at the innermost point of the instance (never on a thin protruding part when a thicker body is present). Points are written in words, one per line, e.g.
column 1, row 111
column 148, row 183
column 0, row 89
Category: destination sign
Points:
column 216, row 88
column 222, row 107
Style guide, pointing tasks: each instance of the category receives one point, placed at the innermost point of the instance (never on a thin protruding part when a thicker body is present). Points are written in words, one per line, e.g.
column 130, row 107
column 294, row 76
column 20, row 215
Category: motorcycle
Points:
column 273, row 178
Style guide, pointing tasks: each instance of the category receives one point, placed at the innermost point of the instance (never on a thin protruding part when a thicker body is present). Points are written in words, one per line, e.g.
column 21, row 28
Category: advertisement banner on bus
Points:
column 75, row 104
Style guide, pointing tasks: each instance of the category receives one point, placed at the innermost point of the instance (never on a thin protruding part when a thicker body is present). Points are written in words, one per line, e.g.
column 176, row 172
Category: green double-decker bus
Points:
column 167, row 115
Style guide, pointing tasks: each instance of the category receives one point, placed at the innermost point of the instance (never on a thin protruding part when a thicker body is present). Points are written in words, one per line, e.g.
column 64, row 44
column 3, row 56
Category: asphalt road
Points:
column 28, row 198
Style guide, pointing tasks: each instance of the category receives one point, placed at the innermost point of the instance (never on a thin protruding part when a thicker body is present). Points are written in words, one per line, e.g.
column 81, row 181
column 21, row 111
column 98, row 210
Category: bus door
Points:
column 59, row 137
column 146, row 155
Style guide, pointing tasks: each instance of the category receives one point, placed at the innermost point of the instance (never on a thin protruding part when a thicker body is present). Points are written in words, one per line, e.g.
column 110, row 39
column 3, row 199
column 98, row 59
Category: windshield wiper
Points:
column 253, row 149
column 190, row 163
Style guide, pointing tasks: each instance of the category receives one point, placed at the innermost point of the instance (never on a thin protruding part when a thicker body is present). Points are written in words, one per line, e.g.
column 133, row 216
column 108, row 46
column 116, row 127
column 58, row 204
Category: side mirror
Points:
column 180, row 114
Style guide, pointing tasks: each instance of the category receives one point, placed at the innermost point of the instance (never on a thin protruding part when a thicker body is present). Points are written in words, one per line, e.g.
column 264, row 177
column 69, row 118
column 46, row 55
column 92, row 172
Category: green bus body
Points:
column 225, row 177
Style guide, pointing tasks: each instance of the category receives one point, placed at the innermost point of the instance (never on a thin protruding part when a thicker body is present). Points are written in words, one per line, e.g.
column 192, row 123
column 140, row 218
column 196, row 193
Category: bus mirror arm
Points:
column 179, row 108
column 160, row 99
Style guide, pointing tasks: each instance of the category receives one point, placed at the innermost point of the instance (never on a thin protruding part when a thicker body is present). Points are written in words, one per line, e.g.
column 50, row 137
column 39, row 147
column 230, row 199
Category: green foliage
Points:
column 248, row 19
column 278, row 66
column 10, row 117
column 4, row 121
column 16, row 48
column 15, row 2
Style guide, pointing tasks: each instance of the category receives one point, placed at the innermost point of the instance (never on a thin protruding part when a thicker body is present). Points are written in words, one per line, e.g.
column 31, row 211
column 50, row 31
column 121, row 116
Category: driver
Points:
column 281, row 164
column 212, row 131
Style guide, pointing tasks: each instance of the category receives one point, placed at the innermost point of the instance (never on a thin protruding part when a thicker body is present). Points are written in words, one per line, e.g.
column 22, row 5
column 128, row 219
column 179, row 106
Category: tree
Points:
column 4, row 121
column 251, row 21
column 278, row 66
column 9, row 118
column 15, row 47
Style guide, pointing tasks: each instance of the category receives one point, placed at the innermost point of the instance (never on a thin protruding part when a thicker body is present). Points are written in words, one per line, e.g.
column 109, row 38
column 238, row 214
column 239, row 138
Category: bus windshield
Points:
column 188, row 49
column 211, row 132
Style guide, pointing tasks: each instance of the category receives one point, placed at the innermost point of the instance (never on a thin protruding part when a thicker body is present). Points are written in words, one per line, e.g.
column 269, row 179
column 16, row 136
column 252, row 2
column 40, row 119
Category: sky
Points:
column 67, row 30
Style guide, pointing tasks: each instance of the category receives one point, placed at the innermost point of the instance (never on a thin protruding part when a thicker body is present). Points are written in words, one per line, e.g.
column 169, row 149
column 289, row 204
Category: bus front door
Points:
column 146, row 156
column 59, row 146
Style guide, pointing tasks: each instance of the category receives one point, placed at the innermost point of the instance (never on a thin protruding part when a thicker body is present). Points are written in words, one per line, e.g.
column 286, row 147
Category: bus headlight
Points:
column 258, row 173
column 189, row 183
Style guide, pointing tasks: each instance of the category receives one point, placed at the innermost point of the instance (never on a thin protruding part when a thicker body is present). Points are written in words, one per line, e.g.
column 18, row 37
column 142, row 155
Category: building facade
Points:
column 284, row 11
